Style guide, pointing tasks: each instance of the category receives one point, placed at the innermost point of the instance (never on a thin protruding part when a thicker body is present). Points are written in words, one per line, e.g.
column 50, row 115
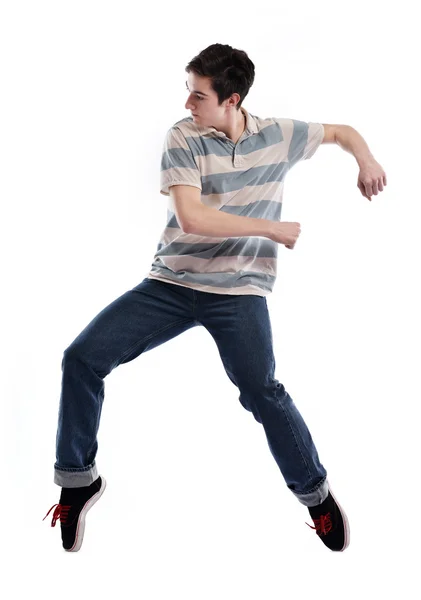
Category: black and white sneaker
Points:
column 71, row 511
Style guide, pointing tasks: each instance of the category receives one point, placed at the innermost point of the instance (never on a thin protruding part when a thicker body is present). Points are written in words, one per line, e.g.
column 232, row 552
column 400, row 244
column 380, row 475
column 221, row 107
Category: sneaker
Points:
column 72, row 508
column 331, row 523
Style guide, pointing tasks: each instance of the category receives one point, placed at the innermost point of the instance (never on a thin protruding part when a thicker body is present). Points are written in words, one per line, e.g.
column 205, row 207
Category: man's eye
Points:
column 198, row 97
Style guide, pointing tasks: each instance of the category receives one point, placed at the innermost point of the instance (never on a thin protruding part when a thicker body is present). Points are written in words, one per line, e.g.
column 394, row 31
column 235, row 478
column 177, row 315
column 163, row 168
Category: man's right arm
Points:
column 195, row 217
column 211, row 222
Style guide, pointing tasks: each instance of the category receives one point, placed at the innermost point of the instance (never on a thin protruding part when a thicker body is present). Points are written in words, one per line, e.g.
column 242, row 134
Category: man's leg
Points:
column 240, row 326
column 141, row 319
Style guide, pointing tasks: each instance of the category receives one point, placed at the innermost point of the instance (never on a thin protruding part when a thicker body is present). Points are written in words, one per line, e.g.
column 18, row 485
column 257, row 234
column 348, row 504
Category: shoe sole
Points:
column 347, row 536
column 81, row 524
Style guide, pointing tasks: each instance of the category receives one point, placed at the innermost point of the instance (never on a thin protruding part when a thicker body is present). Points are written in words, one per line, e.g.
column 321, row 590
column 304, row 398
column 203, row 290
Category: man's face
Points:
column 203, row 102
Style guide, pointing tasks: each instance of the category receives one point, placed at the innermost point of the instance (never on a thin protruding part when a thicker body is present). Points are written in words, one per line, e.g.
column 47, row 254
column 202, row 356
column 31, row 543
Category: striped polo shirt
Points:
column 245, row 179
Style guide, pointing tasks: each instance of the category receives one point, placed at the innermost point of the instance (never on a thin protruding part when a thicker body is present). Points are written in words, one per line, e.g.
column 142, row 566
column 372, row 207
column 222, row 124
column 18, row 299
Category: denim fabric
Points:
column 145, row 317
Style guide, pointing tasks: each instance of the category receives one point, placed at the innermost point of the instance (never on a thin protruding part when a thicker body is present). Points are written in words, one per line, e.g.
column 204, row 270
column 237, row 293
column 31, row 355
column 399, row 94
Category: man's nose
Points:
column 189, row 105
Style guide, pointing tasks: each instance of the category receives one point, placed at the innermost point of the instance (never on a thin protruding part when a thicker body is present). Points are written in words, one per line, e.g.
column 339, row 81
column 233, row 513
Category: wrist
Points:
column 364, row 159
column 269, row 229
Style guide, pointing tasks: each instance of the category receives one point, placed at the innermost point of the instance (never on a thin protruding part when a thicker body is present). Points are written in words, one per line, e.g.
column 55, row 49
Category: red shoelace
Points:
column 323, row 524
column 61, row 512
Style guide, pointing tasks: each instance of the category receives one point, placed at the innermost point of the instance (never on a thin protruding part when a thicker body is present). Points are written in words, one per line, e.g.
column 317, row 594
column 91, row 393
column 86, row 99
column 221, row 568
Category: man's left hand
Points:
column 371, row 178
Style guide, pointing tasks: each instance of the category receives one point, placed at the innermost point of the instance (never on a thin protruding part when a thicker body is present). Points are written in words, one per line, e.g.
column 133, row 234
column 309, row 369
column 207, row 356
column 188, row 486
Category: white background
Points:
column 196, row 506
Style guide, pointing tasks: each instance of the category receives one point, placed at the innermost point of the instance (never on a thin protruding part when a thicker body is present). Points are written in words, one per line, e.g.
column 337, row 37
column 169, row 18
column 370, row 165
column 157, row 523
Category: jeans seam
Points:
column 291, row 428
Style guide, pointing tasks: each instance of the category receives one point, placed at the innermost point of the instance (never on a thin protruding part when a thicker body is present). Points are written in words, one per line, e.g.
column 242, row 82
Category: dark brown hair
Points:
column 231, row 71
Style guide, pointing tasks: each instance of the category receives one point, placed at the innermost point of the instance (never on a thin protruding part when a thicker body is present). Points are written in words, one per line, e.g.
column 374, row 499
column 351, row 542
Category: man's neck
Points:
column 236, row 136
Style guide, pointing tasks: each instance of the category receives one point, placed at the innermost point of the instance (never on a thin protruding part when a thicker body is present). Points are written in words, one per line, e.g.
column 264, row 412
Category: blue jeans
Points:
column 145, row 317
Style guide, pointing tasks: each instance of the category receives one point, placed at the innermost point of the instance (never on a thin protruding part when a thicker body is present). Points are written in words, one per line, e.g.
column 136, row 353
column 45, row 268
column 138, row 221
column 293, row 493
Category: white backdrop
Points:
column 196, row 506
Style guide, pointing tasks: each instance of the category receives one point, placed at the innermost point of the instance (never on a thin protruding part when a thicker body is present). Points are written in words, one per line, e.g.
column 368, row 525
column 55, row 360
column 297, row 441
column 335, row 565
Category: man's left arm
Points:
column 371, row 178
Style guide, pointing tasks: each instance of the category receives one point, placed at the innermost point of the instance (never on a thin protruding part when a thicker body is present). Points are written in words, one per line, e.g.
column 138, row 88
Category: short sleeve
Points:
column 305, row 139
column 178, row 165
column 299, row 139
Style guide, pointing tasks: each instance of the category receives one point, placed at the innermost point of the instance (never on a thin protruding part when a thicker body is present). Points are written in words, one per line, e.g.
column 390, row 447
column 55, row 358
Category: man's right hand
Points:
column 285, row 233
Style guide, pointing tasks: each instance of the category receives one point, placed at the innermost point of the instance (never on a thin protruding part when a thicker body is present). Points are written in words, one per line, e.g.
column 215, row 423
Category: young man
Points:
column 223, row 170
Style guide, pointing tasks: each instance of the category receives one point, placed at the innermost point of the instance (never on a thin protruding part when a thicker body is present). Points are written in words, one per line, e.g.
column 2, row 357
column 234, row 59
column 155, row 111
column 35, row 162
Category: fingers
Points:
column 375, row 187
